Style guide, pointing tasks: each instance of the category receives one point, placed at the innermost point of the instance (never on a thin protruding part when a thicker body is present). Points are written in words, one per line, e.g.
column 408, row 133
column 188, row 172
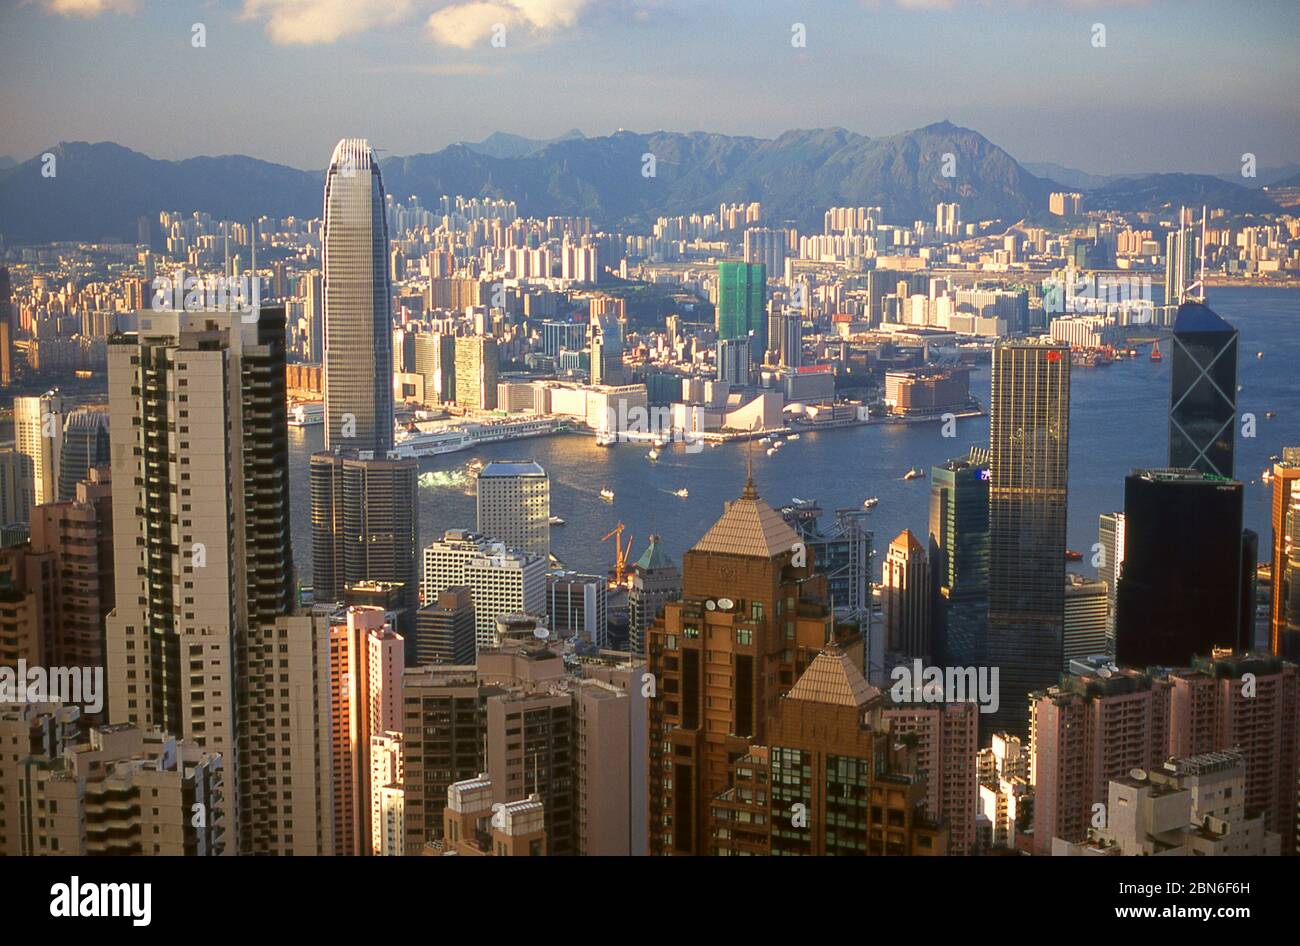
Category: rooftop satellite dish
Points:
column 726, row 604
column 711, row 605
column 1138, row 775
column 1103, row 672
column 541, row 633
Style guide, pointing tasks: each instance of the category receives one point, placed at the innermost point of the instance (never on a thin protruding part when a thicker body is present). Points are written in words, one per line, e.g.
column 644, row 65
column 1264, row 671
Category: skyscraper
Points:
column 363, row 521
column 1203, row 392
column 435, row 361
column 742, row 305
column 959, row 559
column 749, row 622
column 514, row 505
column 905, row 598
column 1182, row 591
column 476, row 372
column 357, row 293
column 1029, row 439
column 38, row 436
column 1284, row 615
column 85, row 445
column 366, row 666
column 655, row 582
column 201, row 643
column 1110, row 535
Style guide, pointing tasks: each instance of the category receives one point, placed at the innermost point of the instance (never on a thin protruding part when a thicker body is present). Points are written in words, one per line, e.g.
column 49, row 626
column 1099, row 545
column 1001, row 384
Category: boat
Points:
column 871, row 502
column 1269, row 415
column 556, row 521
column 1072, row 556
column 793, row 437
column 915, row 473
column 433, row 443
column 1155, row 352
column 683, row 492
column 607, row 494
column 764, row 439
column 653, row 454
column 306, row 415
column 771, row 451
column 1266, row 476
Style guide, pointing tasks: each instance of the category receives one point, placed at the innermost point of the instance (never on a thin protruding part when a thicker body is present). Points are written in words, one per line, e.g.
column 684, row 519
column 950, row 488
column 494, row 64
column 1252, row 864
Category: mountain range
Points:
column 98, row 191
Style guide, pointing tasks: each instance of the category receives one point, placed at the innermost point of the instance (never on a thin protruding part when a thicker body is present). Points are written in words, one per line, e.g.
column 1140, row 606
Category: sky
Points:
column 1106, row 87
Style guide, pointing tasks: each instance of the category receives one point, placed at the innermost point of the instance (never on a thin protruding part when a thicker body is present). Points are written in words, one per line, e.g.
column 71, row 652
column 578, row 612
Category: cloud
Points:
column 309, row 22
column 467, row 24
column 90, row 8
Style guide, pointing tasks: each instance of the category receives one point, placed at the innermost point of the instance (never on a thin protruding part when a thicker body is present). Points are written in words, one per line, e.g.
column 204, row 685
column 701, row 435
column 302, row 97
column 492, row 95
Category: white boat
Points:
column 793, row 437
column 764, row 439
column 653, row 454
column 871, row 503
column 771, row 451
column 433, row 443
column 915, row 473
column 683, row 492
column 607, row 494
column 306, row 415
column 556, row 521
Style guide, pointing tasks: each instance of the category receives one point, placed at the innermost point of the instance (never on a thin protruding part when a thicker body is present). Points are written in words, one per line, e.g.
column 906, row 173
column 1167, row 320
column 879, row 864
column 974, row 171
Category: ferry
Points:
column 871, row 503
column 915, row 473
column 556, row 521
column 607, row 494
column 306, row 415
column 683, row 492
column 1266, row 476
column 433, row 443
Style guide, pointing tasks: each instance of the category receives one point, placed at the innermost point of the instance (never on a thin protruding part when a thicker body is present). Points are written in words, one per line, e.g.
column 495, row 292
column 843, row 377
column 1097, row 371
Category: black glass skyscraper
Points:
column 959, row 558
column 1184, row 587
column 1203, row 392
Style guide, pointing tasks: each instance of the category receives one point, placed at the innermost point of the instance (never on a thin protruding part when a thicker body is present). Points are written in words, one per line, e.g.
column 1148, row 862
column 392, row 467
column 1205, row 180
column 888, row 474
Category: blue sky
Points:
column 1180, row 85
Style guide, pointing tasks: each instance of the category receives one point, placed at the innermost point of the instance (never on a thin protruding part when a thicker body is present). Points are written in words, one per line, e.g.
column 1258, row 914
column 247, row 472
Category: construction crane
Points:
column 621, row 552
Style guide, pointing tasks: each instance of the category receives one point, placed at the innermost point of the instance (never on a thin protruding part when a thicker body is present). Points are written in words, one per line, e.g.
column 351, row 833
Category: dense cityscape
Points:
column 468, row 522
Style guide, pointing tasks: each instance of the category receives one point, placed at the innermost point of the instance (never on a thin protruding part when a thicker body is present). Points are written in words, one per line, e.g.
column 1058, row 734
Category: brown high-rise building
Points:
column 443, row 719
column 79, row 535
column 835, row 779
column 1284, row 614
column 751, row 619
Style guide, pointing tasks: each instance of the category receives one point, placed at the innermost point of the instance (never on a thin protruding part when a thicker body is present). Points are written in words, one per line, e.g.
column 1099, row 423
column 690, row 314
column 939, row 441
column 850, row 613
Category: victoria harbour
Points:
column 1118, row 422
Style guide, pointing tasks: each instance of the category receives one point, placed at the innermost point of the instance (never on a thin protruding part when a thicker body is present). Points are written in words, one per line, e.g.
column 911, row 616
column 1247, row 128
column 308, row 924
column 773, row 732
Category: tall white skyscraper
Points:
column 357, row 294
column 514, row 505
column 38, row 436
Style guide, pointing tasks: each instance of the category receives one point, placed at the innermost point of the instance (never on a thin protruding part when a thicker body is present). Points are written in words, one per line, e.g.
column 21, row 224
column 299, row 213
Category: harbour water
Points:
column 1118, row 421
